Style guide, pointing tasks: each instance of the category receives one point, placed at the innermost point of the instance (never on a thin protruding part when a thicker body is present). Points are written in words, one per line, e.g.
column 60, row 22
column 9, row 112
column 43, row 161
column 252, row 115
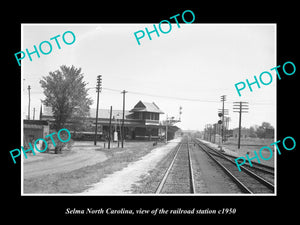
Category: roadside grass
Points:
column 248, row 146
column 79, row 180
column 251, row 141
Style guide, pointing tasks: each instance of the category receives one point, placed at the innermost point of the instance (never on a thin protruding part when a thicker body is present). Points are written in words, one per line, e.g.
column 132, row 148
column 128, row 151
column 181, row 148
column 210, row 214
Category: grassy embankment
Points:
column 249, row 145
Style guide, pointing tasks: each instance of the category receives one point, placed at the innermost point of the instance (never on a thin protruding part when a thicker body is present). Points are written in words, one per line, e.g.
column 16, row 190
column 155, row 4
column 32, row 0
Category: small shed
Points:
column 34, row 129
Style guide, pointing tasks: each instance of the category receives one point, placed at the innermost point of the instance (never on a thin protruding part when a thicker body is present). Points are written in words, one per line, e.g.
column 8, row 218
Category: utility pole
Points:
column 33, row 113
column 215, row 131
column 109, row 135
column 41, row 112
column 166, row 136
column 242, row 107
column 219, row 132
column 210, row 132
column 226, row 113
column 123, row 136
column 226, row 121
column 98, row 90
column 29, row 102
column 223, row 99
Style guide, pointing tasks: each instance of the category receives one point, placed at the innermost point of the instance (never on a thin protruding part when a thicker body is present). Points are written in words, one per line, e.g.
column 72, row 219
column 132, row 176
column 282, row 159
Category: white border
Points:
column 22, row 108
column 156, row 195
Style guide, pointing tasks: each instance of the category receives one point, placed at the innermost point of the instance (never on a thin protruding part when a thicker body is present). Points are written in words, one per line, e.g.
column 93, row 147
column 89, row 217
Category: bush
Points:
column 60, row 145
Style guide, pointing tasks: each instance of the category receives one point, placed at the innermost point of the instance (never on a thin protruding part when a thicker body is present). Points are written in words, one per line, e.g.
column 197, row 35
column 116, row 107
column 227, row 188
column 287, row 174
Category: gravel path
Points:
column 121, row 181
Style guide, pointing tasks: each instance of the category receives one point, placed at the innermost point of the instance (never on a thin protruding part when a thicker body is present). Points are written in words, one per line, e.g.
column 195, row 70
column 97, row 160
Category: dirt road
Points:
column 45, row 164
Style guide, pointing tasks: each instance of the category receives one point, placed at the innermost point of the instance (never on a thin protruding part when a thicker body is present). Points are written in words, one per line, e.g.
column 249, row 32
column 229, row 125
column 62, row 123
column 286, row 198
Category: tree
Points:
column 66, row 93
column 262, row 130
column 266, row 125
column 252, row 132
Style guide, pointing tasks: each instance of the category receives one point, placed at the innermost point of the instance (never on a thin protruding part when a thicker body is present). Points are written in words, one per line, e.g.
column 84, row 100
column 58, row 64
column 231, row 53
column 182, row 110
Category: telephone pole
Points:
column 223, row 99
column 41, row 112
column 227, row 119
column 109, row 135
column 223, row 123
column 166, row 136
column 242, row 107
column 29, row 102
column 98, row 90
column 33, row 113
column 122, row 135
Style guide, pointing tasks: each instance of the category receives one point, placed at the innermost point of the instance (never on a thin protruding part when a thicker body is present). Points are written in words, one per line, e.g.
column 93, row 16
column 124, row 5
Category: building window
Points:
column 147, row 116
column 153, row 116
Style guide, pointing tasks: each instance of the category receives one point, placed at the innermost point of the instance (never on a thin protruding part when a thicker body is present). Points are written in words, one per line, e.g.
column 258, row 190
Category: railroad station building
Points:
column 142, row 122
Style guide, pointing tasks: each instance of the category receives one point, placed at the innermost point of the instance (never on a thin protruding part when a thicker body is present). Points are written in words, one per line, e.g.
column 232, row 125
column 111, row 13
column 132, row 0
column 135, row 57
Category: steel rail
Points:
column 250, row 173
column 243, row 188
column 192, row 180
column 161, row 184
column 254, row 163
column 256, row 166
column 246, row 164
column 190, row 165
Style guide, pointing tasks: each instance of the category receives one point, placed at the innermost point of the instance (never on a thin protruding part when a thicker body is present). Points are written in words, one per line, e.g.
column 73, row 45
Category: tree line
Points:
column 261, row 131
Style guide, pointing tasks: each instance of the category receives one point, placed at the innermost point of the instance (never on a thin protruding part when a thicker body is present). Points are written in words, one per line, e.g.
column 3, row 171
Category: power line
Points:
column 182, row 99
column 161, row 96
column 167, row 97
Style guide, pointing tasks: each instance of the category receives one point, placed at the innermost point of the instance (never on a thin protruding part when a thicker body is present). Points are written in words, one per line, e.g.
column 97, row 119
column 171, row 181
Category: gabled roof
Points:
column 105, row 113
column 102, row 113
column 146, row 107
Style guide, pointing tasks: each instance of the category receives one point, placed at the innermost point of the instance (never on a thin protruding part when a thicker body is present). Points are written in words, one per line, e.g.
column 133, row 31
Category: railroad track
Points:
column 265, row 171
column 257, row 166
column 247, row 180
column 178, row 178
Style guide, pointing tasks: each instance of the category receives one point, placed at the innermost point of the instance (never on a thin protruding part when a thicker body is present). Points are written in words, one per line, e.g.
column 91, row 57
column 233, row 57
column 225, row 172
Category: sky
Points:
column 191, row 67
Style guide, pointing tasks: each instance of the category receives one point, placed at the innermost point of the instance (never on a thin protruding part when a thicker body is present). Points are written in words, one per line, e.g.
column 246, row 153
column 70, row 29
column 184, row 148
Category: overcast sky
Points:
column 192, row 66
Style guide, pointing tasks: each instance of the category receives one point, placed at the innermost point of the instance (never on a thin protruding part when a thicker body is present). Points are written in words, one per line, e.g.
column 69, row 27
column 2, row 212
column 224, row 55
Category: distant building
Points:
column 141, row 122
